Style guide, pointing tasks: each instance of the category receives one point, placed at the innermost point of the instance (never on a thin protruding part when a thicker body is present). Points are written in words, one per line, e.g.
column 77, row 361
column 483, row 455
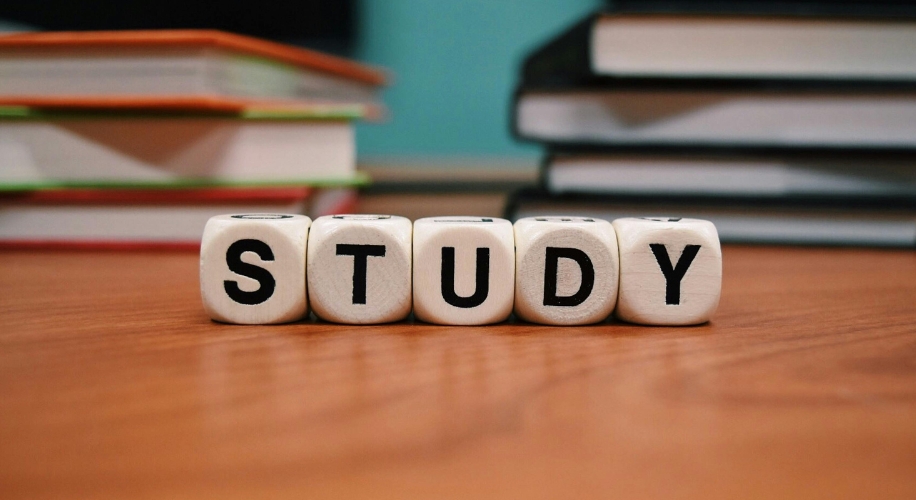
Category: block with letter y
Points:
column 464, row 270
column 670, row 270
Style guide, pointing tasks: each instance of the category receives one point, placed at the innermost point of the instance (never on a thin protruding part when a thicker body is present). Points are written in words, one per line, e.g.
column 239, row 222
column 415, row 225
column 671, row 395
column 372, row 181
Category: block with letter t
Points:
column 463, row 270
column 670, row 270
column 359, row 268
column 252, row 268
column 566, row 270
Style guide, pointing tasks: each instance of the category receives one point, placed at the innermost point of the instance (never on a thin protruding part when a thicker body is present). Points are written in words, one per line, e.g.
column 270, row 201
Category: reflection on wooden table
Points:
column 113, row 384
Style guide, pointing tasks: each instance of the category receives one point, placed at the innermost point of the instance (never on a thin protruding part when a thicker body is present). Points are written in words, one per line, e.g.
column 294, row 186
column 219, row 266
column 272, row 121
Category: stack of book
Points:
column 136, row 138
column 789, row 122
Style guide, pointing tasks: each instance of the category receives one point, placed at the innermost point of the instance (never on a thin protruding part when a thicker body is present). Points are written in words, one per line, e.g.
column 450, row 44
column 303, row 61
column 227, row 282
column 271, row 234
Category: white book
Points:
column 103, row 226
column 163, row 150
column 701, row 46
column 812, row 225
column 772, row 228
column 93, row 218
column 189, row 72
column 155, row 68
column 718, row 118
column 761, row 176
column 730, row 45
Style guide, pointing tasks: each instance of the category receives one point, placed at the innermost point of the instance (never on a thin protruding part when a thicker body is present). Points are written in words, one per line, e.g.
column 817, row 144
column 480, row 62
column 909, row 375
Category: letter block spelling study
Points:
column 670, row 271
column 463, row 270
column 552, row 270
column 359, row 268
column 566, row 270
column 252, row 268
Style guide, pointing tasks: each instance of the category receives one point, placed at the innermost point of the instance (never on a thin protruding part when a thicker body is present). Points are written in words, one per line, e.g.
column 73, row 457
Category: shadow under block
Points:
column 566, row 270
column 360, row 268
column 670, row 271
column 252, row 268
column 463, row 270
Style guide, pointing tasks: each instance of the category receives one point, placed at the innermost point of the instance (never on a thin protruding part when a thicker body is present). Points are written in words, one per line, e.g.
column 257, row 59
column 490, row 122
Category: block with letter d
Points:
column 670, row 270
column 252, row 268
column 359, row 268
column 566, row 270
column 463, row 270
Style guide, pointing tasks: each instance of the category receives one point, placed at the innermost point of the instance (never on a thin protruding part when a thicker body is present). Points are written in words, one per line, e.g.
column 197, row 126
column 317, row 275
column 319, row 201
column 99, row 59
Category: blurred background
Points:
column 455, row 67
column 782, row 121
column 453, row 64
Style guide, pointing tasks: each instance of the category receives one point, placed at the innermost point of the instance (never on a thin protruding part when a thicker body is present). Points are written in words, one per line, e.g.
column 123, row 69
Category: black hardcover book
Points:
column 795, row 42
column 676, row 115
column 875, row 177
column 812, row 8
column 711, row 74
column 803, row 220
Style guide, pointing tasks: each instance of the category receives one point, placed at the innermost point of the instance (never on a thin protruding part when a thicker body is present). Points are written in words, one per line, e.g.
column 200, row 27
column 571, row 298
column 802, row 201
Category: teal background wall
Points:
column 455, row 65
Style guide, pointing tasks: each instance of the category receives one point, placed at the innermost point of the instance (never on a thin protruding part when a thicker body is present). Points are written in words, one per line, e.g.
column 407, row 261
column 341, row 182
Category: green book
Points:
column 312, row 146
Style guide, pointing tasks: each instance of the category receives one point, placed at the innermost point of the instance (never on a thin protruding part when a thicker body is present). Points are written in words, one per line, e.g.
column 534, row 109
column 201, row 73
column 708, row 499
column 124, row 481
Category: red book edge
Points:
column 101, row 245
column 191, row 196
column 218, row 105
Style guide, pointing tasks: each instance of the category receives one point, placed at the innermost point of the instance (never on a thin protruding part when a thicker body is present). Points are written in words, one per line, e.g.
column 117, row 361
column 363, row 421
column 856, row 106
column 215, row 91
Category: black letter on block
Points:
column 361, row 254
column 673, row 276
column 551, row 265
column 448, row 279
column 261, row 275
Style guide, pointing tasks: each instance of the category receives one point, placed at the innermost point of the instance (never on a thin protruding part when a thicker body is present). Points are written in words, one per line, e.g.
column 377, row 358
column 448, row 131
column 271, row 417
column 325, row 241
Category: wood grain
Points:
column 114, row 384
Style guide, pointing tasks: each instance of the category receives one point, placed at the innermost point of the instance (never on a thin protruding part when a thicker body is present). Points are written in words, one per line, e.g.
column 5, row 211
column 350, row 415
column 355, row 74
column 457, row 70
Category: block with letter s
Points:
column 252, row 268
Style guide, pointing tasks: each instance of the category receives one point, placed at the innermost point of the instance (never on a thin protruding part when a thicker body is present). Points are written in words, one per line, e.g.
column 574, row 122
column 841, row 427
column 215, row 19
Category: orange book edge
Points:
column 241, row 44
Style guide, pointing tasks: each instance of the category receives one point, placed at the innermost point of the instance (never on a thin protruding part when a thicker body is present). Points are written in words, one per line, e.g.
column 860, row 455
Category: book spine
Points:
column 513, row 116
column 565, row 60
column 835, row 9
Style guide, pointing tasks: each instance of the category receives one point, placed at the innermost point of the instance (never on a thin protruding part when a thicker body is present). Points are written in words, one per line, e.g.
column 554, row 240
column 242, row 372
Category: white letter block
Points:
column 359, row 268
column 566, row 270
column 670, row 270
column 252, row 268
column 463, row 270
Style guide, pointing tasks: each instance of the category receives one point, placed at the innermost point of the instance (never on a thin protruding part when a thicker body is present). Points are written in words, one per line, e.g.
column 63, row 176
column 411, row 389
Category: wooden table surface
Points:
column 114, row 384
